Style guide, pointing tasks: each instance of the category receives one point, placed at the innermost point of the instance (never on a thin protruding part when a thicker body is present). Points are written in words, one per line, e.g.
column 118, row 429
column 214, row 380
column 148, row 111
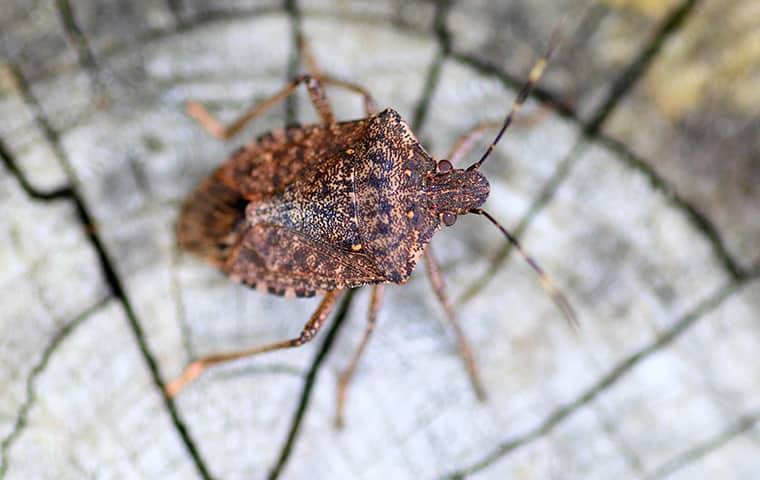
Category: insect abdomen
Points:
column 212, row 220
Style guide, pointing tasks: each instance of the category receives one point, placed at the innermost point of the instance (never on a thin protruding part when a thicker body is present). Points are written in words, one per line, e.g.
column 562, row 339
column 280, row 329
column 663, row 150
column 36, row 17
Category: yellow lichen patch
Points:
column 650, row 8
column 740, row 66
column 715, row 60
column 8, row 79
column 678, row 92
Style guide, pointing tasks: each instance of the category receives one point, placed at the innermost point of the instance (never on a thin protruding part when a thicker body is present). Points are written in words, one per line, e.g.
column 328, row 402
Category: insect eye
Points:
column 444, row 166
column 448, row 218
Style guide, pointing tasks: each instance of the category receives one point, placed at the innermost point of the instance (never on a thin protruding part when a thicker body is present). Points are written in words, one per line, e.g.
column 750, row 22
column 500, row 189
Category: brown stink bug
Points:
column 318, row 209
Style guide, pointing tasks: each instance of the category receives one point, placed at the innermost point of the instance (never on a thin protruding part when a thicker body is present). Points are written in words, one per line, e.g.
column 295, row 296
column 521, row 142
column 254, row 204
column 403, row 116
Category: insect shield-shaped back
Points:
column 400, row 197
column 365, row 213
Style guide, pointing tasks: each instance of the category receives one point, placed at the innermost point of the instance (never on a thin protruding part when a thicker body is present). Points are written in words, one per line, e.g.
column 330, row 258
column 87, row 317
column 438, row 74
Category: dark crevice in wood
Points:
column 697, row 218
column 610, row 428
column 308, row 386
column 592, row 131
column 296, row 57
column 440, row 25
column 109, row 271
column 603, row 384
column 431, row 81
column 210, row 17
column 562, row 107
column 636, row 69
column 10, row 164
column 433, row 76
column 81, row 45
column 741, row 425
column 118, row 290
column 37, row 369
column 193, row 20
column 177, row 10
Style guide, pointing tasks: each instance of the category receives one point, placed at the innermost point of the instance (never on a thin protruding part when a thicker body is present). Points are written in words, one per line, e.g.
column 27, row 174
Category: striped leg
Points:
column 313, row 66
column 436, row 280
column 345, row 378
column 216, row 128
column 310, row 330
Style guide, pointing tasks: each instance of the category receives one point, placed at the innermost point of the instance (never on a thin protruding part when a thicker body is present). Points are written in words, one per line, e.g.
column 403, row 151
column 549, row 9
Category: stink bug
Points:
column 318, row 209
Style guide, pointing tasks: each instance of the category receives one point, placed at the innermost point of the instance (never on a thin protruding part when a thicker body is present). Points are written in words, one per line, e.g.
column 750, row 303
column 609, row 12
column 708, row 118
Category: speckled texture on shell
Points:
column 323, row 207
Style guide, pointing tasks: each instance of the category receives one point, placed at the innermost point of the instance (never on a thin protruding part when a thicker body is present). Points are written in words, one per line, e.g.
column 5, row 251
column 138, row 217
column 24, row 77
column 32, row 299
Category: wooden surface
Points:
column 632, row 176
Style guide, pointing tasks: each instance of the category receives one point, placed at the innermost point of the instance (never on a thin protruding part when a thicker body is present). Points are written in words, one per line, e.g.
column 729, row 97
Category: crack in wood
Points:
column 293, row 9
column 605, row 382
column 738, row 427
column 179, row 306
column 591, row 131
column 636, row 69
column 624, row 450
column 562, row 107
column 39, row 368
column 308, row 386
column 176, row 7
column 698, row 219
column 109, row 271
column 263, row 369
column 81, row 46
column 443, row 38
column 12, row 166
column 431, row 80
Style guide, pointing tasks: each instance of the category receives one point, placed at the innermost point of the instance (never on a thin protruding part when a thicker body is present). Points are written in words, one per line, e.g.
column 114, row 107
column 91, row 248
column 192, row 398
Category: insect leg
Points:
column 309, row 331
column 369, row 103
column 467, row 140
column 348, row 373
column 316, row 72
column 216, row 128
column 308, row 57
column 436, row 280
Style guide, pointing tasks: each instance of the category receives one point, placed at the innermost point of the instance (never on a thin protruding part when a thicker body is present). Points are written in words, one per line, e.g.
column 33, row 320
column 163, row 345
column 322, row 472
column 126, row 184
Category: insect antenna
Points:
column 533, row 77
column 557, row 296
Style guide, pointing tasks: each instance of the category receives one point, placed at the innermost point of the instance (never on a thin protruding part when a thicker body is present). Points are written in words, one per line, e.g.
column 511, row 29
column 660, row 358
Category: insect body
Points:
column 318, row 209
column 358, row 207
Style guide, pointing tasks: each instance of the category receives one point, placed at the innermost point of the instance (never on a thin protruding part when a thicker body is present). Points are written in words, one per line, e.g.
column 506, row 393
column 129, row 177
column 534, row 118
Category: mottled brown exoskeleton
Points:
column 318, row 209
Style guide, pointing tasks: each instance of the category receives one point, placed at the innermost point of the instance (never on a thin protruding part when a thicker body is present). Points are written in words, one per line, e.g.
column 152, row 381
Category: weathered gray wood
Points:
column 76, row 399
column 660, row 380
column 695, row 120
